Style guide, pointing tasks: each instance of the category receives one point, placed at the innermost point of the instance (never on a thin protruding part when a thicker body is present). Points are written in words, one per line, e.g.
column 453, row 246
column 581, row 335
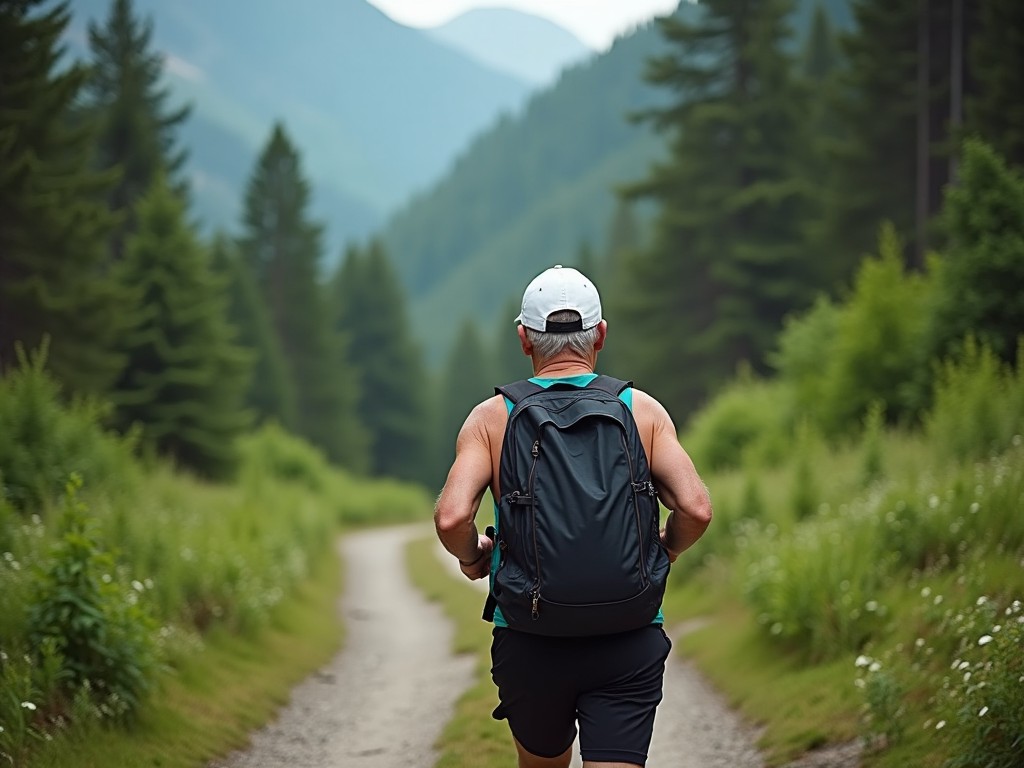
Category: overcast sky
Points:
column 595, row 22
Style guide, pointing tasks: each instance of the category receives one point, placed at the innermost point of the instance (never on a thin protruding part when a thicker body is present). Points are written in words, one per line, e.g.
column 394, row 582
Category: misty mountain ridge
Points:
column 538, row 186
column 377, row 109
column 528, row 47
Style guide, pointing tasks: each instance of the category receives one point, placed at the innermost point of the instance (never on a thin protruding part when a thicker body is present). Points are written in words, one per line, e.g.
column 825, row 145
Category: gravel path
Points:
column 385, row 698
column 383, row 701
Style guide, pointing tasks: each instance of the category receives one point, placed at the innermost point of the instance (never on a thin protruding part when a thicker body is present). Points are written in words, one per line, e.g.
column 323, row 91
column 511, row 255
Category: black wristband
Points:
column 464, row 564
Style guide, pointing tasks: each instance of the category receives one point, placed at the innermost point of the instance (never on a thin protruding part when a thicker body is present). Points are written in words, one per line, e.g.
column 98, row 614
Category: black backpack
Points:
column 579, row 550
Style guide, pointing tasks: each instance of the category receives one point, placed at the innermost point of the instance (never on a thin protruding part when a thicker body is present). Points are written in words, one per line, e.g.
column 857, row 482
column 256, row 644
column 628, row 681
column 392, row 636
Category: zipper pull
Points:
column 536, row 609
column 536, row 448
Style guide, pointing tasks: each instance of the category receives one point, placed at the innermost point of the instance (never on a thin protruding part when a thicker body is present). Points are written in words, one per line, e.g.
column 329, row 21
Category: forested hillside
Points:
column 539, row 186
column 381, row 108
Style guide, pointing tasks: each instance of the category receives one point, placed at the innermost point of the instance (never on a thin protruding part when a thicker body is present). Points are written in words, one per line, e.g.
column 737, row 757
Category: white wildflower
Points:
column 29, row 706
column 862, row 661
column 984, row 639
column 875, row 666
column 940, row 725
column 982, row 711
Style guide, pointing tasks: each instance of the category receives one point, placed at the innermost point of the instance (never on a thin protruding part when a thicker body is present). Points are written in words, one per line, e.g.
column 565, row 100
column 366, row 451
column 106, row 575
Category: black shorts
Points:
column 612, row 684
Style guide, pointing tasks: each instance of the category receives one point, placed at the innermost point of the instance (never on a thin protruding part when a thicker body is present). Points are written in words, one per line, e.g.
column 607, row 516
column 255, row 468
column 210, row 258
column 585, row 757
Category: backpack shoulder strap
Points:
column 517, row 390
column 610, row 385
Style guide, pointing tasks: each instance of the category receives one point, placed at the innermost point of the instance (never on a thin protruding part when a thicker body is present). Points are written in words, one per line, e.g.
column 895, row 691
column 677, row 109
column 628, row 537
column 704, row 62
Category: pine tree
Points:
column 136, row 130
column 820, row 57
column 623, row 241
column 52, row 227
column 510, row 364
column 371, row 312
column 727, row 262
column 897, row 110
column 982, row 278
column 996, row 51
column 874, row 168
column 271, row 393
column 186, row 376
column 466, row 380
column 282, row 249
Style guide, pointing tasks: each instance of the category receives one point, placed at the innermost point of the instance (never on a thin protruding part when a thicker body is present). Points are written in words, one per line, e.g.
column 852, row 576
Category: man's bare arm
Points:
column 456, row 508
column 679, row 486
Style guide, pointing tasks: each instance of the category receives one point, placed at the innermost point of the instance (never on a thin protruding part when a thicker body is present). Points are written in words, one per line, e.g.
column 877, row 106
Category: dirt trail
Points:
column 384, row 699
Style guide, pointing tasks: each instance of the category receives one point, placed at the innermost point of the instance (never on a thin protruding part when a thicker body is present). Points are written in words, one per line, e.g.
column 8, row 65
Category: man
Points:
column 612, row 683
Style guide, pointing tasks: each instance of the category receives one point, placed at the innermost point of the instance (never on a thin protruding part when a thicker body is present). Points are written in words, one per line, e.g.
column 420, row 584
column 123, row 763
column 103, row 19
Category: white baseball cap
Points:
column 556, row 289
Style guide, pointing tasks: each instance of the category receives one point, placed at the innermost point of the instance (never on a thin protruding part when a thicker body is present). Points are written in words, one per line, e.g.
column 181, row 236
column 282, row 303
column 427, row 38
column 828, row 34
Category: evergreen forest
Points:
column 806, row 221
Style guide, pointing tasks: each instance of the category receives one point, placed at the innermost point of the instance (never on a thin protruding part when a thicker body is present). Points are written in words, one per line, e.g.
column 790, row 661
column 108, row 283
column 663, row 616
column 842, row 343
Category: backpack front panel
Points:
column 580, row 552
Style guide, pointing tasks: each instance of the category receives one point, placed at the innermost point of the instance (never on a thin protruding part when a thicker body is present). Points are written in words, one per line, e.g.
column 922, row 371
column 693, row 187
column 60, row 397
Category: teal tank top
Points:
column 577, row 381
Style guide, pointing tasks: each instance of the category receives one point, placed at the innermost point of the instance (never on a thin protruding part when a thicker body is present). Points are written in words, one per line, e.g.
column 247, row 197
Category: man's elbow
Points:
column 447, row 517
column 701, row 511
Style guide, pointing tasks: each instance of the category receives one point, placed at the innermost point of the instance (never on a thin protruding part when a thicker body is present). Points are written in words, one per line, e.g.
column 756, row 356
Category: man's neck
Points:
column 559, row 369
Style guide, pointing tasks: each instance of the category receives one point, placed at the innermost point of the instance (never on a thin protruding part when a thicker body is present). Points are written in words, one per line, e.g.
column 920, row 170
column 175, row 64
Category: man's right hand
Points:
column 481, row 566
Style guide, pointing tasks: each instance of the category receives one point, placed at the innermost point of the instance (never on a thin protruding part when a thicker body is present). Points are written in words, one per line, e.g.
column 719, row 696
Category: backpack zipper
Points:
column 636, row 506
column 535, row 611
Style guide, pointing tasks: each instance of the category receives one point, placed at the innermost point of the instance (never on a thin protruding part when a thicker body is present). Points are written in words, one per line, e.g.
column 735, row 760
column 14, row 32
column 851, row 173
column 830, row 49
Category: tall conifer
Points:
column 371, row 312
column 728, row 260
column 996, row 53
column 466, row 379
column 981, row 282
column 271, row 393
column 52, row 226
column 282, row 248
column 136, row 128
column 186, row 376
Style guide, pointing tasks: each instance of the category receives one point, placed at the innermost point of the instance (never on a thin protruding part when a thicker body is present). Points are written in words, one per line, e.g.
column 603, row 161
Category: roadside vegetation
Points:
column 127, row 587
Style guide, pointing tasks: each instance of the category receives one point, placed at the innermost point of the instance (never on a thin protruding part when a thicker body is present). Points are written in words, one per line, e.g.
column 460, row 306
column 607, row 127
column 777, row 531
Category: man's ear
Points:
column 524, row 341
column 602, row 334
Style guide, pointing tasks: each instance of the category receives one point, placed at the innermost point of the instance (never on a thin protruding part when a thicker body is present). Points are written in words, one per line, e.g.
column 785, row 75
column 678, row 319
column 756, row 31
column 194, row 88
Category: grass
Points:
column 471, row 739
column 216, row 697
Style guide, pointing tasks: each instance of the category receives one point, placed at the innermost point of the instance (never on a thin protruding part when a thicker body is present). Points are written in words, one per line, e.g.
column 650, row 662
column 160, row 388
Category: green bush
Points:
column 83, row 611
column 747, row 420
column 981, row 288
column 978, row 404
column 43, row 440
column 986, row 687
column 839, row 360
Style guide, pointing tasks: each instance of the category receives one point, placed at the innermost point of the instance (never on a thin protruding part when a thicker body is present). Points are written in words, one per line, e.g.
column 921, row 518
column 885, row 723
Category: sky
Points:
column 595, row 22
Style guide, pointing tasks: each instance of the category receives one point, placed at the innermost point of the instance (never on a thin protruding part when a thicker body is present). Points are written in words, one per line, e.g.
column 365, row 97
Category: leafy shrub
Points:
column 839, row 360
column 817, row 588
column 271, row 452
column 83, row 612
column 986, row 687
column 43, row 440
column 746, row 420
column 981, row 290
column 978, row 404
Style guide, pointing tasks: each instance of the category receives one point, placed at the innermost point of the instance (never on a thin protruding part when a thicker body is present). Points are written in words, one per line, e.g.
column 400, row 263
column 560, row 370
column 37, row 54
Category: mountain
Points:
column 537, row 186
column 523, row 45
column 377, row 109
column 529, row 191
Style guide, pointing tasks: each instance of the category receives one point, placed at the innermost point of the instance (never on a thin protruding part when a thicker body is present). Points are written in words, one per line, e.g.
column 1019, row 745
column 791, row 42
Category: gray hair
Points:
column 547, row 345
